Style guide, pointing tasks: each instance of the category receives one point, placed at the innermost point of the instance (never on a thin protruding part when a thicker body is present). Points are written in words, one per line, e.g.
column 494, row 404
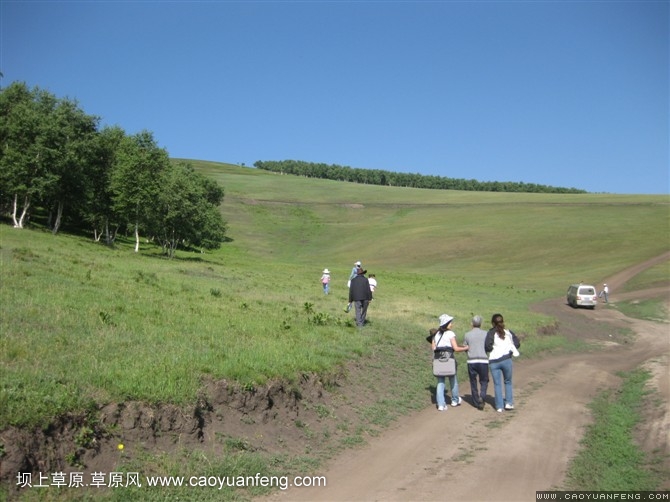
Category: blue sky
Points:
column 566, row 93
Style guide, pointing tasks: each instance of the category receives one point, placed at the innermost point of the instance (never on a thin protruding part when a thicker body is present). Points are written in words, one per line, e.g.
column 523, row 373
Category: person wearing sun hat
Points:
column 360, row 296
column 325, row 280
column 444, row 340
column 354, row 271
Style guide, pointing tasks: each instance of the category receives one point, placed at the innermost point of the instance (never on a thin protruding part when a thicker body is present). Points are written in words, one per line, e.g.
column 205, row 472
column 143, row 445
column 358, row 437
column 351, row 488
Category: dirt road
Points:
column 471, row 455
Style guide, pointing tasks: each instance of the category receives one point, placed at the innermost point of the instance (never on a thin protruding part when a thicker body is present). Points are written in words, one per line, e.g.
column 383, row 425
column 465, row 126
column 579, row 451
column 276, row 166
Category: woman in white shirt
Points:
column 444, row 340
column 501, row 344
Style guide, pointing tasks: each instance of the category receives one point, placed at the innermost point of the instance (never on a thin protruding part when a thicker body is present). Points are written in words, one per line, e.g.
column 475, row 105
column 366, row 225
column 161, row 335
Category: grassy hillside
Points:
column 83, row 323
column 538, row 241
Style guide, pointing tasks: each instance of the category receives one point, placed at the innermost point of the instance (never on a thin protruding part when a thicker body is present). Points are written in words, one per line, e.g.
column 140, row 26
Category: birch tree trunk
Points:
column 26, row 205
column 109, row 238
column 59, row 217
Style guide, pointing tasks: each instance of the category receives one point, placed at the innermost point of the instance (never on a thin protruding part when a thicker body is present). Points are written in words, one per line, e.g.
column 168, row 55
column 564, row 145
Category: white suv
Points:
column 582, row 295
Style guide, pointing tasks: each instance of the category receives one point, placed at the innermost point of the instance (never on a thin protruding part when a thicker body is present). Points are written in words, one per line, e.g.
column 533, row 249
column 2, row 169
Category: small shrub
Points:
column 85, row 438
column 320, row 319
column 146, row 277
column 72, row 459
column 106, row 319
column 238, row 444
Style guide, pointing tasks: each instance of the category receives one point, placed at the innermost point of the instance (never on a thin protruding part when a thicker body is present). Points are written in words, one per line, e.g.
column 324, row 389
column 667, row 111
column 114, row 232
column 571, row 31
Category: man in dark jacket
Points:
column 360, row 295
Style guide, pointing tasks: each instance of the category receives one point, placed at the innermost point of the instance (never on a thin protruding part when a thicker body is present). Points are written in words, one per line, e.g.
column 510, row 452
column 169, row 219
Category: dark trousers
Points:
column 361, row 311
column 478, row 371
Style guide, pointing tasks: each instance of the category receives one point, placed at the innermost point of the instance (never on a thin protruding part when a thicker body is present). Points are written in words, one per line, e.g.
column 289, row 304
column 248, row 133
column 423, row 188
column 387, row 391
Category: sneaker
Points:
column 499, row 410
column 481, row 405
column 509, row 406
column 441, row 408
column 460, row 400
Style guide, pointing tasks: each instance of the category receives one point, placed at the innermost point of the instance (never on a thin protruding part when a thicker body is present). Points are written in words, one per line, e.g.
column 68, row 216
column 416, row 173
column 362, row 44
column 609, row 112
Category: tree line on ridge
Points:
column 390, row 178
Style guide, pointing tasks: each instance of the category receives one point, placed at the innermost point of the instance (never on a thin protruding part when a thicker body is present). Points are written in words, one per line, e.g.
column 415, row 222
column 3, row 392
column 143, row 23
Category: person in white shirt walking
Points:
column 373, row 284
column 502, row 345
column 605, row 292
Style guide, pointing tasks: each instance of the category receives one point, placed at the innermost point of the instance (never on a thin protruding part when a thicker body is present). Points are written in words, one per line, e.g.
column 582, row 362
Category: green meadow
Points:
column 81, row 321
column 84, row 324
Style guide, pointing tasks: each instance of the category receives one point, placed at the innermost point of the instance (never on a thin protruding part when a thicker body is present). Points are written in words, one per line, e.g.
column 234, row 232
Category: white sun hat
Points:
column 445, row 319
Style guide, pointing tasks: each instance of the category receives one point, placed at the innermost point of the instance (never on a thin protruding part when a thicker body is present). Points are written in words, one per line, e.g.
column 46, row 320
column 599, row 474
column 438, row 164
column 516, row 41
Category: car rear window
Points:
column 587, row 291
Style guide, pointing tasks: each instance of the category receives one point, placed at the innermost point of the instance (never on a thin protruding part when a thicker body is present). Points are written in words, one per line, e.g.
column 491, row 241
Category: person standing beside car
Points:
column 605, row 292
column 501, row 344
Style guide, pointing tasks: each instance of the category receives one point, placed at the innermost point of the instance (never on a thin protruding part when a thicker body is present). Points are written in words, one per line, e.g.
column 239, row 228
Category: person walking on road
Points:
column 478, row 362
column 501, row 344
column 444, row 339
column 360, row 295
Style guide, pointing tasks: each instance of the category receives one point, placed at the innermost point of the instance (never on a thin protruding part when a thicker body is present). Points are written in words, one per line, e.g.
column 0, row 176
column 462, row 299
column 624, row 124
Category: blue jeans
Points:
column 439, row 393
column 325, row 288
column 501, row 371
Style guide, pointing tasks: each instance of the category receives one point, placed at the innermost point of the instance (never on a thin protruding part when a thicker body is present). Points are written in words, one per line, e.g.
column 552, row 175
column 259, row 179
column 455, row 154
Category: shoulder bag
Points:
column 444, row 363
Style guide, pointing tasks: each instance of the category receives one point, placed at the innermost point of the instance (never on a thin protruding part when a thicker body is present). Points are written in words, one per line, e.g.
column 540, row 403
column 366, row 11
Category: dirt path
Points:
column 471, row 455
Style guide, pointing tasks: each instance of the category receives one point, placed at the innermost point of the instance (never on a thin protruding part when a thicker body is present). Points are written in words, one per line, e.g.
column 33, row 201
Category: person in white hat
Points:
column 354, row 272
column 444, row 339
column 325, row 281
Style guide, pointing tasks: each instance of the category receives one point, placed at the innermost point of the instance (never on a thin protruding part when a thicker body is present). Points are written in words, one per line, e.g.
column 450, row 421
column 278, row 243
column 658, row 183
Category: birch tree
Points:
column 135, row 181
column 70, row 135
column 24, row 149
column 99, row 212
column 188, row 213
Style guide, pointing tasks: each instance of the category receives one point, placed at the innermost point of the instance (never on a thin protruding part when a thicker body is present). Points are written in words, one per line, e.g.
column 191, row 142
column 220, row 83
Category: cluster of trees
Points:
column 389, row 178
column 55, row 160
